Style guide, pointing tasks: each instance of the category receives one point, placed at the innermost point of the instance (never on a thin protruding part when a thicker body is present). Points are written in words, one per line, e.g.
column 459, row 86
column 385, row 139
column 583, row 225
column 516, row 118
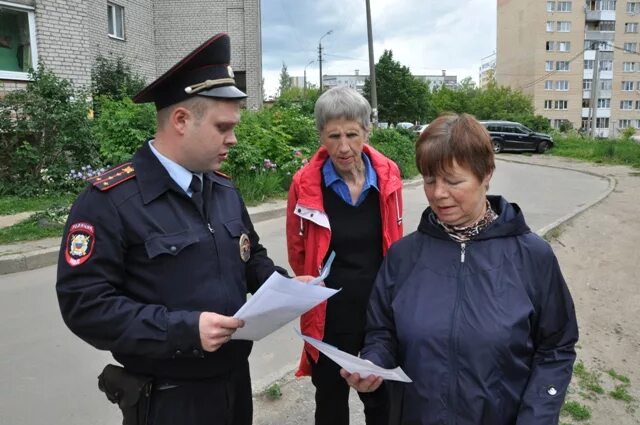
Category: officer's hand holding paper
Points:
column 279, row 301
column 353, row 364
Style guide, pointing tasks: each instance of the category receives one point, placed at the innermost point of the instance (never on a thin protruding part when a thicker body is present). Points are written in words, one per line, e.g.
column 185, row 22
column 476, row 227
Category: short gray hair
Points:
column 342, row 102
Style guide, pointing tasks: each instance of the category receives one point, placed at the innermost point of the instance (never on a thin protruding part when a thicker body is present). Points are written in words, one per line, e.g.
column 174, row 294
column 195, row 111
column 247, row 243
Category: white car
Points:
column 418, row 129
column 405, row 125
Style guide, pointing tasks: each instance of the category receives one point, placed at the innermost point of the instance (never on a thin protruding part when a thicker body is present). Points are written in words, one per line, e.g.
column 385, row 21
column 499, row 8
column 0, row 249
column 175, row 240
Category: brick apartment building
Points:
column 151, row 35
column 578, row 59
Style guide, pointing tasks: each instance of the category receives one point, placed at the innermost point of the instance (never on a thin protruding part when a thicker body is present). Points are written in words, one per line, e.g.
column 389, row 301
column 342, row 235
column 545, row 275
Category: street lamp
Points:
column 320, row 55
column 304, row 86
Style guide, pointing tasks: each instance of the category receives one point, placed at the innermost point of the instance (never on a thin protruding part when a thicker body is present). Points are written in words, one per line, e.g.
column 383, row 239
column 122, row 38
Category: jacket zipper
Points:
column 453, row 342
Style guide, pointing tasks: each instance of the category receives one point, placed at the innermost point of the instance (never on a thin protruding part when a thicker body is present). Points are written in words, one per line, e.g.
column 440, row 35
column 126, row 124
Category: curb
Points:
column 562, row 220
column 33, row 260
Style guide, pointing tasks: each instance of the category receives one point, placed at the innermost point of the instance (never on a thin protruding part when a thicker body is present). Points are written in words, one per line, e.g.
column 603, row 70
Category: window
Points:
column 637, row 104
column 602, row 122
column 606, row 65
column 563, row 46
column 550, row 26
column 548, row 85
column 628, row 66
column 604, row 103
column 564, row 6
column 548, row 104
column 18, row 52
column 562, row 85
column 586, row 84
column 638, row 86
column 551, row 6
column 560, row 104
column 626, row 105
column 586, row 103
column 607, row 26
column 550, row 46
column 633, row 7
column 631, row 27
column 548, row 65
column 602, row 5
column 564, row 26
column 588, row 64
column 630, row 47
column 626, row 86
column 603, row 46
column 562, row 65
column 624, row 123
column 606, row 84
column 115, row 15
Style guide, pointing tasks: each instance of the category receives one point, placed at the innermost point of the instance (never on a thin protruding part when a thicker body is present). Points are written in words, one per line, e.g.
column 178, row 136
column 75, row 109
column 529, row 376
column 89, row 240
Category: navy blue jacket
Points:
column 138, row 264
column 485, row 329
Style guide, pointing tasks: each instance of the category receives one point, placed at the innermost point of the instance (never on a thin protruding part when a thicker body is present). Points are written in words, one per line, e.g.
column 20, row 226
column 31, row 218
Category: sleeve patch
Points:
column 80, row 241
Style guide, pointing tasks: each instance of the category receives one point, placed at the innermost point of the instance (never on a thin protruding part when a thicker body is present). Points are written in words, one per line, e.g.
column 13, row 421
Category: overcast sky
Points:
column 425, row 35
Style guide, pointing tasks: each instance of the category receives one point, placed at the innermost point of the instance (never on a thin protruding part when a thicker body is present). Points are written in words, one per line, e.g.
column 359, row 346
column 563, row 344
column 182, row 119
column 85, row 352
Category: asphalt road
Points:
column 49, row 376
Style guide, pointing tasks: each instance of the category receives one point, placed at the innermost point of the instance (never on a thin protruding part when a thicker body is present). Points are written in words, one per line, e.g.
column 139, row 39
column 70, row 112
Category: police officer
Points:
column 159, row 253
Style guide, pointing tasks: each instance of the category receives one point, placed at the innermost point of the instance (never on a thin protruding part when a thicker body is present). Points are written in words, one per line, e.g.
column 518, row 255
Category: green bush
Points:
column 398, row 146
column 624, row 152
column 122, row 127
column 44, row 132
column 112, row 77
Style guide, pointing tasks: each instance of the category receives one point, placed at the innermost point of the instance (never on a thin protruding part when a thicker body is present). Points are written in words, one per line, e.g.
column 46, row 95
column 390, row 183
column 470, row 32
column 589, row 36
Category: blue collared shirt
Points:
column 333, row 180
column 178, row 173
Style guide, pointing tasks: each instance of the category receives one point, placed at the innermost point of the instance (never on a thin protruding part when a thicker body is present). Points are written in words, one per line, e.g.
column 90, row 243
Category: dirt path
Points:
column 599, row 254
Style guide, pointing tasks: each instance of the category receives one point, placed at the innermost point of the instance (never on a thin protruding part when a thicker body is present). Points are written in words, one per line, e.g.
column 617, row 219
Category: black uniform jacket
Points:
column 138, row 265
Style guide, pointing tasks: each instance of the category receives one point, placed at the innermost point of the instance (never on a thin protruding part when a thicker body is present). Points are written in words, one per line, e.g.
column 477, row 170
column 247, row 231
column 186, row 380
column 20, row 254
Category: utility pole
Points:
column 595, row 83
column 372, row 70
column 320, row 55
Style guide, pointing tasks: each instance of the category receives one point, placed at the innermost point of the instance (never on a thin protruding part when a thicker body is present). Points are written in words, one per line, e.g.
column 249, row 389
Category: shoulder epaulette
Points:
column 113, row 177
column 222, row 175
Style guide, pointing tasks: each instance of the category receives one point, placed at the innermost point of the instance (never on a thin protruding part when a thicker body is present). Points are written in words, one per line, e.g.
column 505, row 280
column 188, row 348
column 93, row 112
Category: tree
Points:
column 401, row 97
column 285, row 80
column 114, row 78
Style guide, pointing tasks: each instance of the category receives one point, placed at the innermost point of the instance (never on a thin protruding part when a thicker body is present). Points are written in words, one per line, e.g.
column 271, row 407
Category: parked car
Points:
column 513, row 136
column 418, row 128
column 405, row 125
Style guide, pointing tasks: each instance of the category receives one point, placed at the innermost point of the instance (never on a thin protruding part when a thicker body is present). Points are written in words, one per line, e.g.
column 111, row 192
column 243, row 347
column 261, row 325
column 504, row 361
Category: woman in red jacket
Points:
column 347, row 199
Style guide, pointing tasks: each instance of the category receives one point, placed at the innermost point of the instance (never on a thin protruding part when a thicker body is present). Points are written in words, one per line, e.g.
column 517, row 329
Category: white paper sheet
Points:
column 353, row 364
column 278, row 301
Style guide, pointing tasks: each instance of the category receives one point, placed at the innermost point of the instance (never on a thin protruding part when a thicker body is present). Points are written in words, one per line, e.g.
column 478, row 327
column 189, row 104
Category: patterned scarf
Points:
column 466, row 233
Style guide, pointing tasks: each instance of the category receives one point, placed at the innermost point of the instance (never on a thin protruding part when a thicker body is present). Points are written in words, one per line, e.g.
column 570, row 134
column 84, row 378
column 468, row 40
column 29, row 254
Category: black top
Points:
column 356, row 237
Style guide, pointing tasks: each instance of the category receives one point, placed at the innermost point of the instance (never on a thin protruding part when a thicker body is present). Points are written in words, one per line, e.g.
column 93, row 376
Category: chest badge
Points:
column 245, row 247
column 80, row 241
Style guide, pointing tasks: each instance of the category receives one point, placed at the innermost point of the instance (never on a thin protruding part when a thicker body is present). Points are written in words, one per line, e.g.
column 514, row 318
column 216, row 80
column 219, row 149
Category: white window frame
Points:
column 563, row 26
column 606, row 85
column 548, row 85
column 116, row 8
column 548, row 104
column 561, row 105
column 558, row 68
column 631, row 27
column 637, row 104
column 604, row 103
column 563, row 46
column 17, row 75
column 551, row 6
column 548, row 65
column 564, row 6
column 551, row 26
column 626, row 105
column 587, row 84
column 626, row 85
column 562, row 85
column 630, row 47
column 633, row 7
column 624, row 123
column 602, row 122
column 628, row 66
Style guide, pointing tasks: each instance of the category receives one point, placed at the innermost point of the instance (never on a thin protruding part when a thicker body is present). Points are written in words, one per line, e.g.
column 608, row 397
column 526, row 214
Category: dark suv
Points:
column 513, row 136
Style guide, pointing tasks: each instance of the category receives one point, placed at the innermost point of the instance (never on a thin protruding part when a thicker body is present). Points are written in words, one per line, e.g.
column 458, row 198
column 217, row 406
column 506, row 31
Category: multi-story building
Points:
column 579, row 60
column 151, row 35
column 487, row 71
column 357, row 80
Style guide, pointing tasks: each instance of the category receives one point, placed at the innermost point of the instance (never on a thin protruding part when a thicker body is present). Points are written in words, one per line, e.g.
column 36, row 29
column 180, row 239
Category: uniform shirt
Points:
column 333, row 180
column 139, row 263
column 178, row 173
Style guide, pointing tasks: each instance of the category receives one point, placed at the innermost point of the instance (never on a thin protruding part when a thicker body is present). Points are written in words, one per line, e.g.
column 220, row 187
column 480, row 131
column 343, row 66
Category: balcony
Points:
column 601, row 15
column 600, row 35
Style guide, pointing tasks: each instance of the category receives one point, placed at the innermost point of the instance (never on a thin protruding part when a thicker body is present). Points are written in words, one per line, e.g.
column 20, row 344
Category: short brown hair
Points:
column 458, row 137
column 198, row 105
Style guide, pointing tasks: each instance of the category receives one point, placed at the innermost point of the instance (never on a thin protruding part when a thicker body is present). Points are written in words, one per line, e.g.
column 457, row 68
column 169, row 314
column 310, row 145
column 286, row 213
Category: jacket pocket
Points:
column 236, row 228
column 171, row 244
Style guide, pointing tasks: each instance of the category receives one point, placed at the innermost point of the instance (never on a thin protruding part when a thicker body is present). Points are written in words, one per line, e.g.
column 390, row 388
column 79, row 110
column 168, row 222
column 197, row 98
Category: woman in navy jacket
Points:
column 473, row 306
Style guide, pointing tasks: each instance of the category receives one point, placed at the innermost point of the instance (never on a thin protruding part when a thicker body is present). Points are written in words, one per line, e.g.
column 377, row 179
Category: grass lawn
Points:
column 605, row 151
column 16, row 204
column 29, row 230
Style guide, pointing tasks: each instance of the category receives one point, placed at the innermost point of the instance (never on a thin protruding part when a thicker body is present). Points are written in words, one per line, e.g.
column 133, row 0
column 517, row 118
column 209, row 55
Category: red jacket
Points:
column 309, row 230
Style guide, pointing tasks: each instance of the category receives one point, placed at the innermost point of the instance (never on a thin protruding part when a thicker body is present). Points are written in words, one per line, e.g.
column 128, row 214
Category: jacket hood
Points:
column 510, row 222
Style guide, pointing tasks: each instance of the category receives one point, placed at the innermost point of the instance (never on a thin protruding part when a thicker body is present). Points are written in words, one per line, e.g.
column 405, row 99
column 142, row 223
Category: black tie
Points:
column 196, row 188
